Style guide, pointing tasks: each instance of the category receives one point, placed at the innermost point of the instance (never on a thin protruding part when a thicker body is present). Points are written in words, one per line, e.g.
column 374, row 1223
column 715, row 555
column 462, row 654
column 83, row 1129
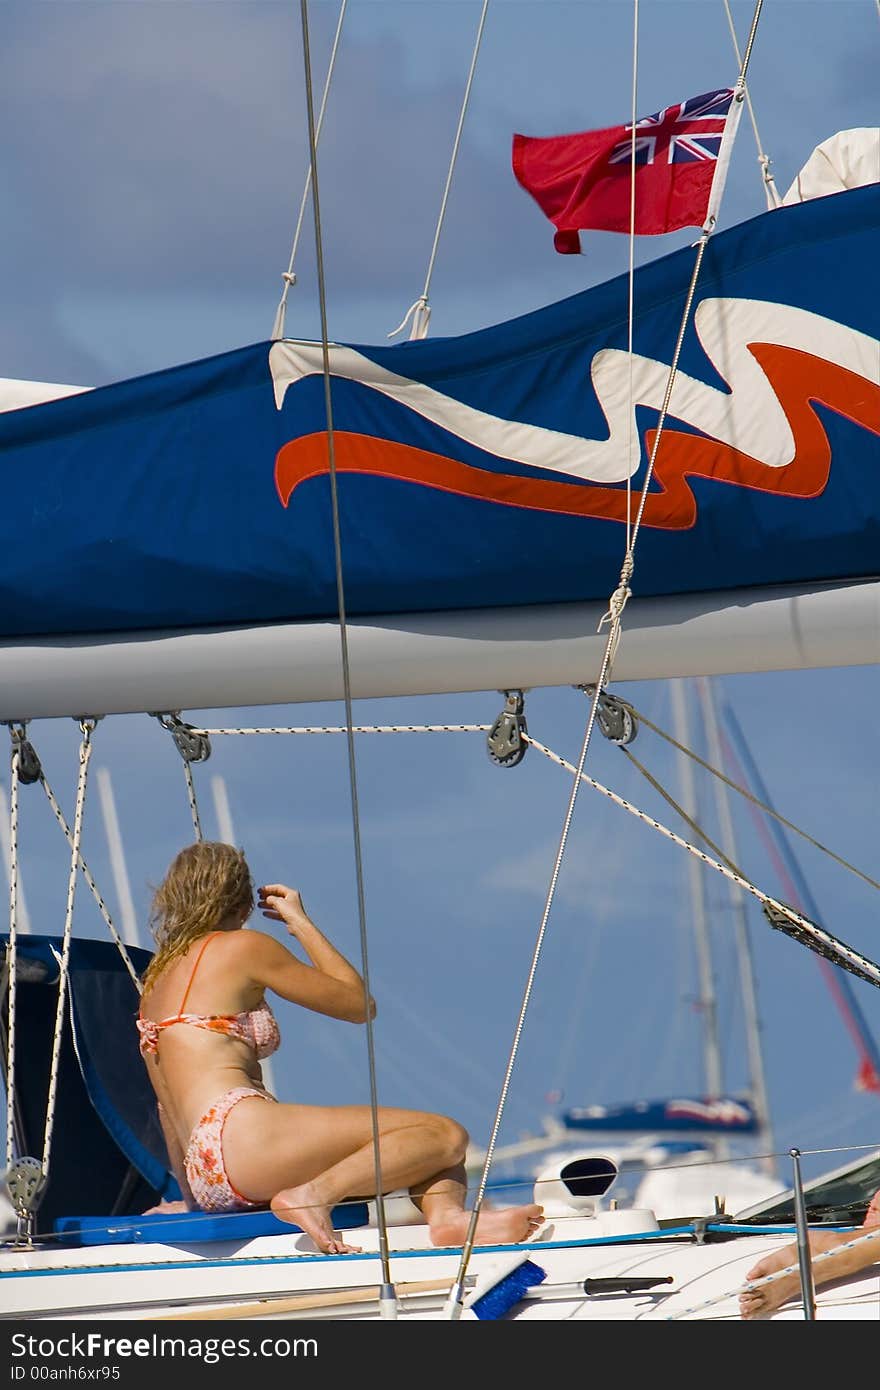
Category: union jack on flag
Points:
column 587, row 180
column 682, row 134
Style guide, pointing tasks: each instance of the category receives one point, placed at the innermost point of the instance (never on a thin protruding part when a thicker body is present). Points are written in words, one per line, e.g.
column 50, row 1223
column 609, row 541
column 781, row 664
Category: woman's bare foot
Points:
column 302, row 1207
column 164, row 1208
column 502, row 1227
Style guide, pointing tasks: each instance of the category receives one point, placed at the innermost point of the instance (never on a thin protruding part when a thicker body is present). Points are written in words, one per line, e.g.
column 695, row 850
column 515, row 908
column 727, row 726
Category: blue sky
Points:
column 153, row 165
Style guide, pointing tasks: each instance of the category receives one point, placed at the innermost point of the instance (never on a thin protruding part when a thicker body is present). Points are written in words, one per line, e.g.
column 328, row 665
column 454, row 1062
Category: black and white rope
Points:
column 744, row 792
column 809, row 933
column 87, row 875
column 11, row 950
column 191, row 797
column 360, row 729
column 87, row 726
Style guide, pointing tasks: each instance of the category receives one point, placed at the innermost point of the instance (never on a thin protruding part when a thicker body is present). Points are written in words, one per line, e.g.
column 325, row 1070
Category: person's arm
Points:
column 841, row 1262
column 837, row 1263
column 330, row 984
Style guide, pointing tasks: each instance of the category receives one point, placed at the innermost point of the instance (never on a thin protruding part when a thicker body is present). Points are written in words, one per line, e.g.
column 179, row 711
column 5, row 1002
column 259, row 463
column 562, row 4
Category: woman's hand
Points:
column 283, row 904
column 316, row 988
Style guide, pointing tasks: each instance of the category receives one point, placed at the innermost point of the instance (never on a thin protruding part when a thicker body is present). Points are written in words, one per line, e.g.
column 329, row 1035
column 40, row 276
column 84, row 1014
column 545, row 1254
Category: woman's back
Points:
column 203, row 1025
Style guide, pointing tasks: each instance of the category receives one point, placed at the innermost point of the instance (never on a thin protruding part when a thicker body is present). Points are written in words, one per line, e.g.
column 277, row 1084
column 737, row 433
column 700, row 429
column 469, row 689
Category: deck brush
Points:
column 503, row 1286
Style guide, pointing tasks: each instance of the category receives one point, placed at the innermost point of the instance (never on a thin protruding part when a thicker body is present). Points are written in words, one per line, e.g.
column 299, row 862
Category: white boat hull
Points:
column 282, row 1277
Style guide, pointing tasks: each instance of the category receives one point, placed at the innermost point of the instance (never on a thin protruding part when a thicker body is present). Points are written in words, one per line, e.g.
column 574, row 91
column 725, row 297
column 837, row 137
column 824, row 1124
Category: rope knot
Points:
column 622, row 594
column 420, row 313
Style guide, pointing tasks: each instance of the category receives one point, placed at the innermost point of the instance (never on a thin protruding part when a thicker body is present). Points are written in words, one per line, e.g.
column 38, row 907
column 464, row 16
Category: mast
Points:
column 707, row 999
column 222, row 810
column 130, row 930
column 798, row 892
column 757, row 1074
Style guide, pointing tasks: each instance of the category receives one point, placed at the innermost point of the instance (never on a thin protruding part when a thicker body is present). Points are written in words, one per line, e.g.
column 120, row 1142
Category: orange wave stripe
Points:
column 798, row 379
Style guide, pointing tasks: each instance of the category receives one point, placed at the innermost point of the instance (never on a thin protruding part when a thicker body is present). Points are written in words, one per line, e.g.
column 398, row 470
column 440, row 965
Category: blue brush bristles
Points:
column 508, row 1291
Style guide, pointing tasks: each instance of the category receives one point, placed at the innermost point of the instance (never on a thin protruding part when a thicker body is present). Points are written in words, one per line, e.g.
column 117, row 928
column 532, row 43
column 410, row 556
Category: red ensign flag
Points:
column 582, row 181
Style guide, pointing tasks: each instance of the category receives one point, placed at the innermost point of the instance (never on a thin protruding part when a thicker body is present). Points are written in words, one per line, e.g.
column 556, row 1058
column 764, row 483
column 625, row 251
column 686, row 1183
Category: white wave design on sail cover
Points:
column 747, row 417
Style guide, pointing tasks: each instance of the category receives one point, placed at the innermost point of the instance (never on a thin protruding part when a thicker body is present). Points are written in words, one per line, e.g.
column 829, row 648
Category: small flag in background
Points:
column 582, row 181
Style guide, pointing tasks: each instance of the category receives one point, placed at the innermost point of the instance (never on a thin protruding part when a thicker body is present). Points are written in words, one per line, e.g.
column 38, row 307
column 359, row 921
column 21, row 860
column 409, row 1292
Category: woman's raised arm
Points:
column 330, row 984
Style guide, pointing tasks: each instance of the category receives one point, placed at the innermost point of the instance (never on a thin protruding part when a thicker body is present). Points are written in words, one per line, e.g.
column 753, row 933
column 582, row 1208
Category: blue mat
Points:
column 191, row 1227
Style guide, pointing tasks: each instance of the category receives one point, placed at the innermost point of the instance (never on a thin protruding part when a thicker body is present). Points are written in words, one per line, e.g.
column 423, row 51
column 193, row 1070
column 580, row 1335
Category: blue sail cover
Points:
column 691, row 1114
column 108, row 1151
column 485, row 470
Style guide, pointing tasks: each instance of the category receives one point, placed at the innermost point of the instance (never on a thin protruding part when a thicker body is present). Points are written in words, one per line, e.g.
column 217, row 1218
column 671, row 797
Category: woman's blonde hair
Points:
column 205, row 883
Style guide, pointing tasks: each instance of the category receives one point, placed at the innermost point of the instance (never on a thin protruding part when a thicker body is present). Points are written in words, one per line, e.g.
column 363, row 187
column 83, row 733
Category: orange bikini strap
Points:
column 208, row 938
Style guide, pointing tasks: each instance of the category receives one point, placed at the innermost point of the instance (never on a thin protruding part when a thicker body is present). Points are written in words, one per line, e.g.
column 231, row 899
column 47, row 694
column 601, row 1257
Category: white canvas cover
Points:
column 849, row 159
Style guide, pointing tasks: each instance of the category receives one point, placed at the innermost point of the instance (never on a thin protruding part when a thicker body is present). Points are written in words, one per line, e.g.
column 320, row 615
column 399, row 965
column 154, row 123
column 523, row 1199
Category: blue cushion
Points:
column 191, row 1227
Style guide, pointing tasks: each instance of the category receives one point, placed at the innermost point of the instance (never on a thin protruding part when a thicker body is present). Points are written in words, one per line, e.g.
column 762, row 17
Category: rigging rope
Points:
column 191, row 797
column 87, row 726
column 362, row 729
column 808, row 933
column 289, row 278
column 17, row 736
column 387, row 1302
column 622, row 593
column 630, row 312
column 87, row 874
column 744, row 791
column 613, row 617
column 420, row 310
column 193, row 747
column 637, row 715
column 771, row 192
column 19, row 742
column 77, row 863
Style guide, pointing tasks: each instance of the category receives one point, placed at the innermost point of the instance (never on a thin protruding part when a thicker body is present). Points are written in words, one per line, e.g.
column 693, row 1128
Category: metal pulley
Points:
column 616, row 719
column 192, row 746
column 506, row 741
column 26, row 1182
column 29, row 768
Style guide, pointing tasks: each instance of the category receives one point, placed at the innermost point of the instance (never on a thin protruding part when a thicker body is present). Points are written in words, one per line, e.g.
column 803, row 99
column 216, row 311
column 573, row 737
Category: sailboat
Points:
column 477, row 486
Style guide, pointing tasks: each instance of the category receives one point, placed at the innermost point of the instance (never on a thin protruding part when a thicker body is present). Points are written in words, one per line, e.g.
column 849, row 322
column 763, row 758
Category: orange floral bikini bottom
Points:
column 203, row 1160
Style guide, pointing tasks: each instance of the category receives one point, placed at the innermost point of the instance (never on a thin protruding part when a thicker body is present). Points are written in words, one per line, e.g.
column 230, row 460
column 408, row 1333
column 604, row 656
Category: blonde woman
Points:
column 205, row 1024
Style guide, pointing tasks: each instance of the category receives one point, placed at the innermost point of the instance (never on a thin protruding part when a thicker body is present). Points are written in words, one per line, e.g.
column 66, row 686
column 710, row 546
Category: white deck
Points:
column 283, row 1276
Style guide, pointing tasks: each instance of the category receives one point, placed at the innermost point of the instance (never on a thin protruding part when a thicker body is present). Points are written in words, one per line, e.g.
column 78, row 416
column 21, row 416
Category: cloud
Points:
column 146, row 146
column 154, row 163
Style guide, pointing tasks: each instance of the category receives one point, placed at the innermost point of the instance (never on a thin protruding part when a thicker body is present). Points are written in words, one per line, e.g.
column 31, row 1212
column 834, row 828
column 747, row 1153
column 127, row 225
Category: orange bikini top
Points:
column 256, row 1027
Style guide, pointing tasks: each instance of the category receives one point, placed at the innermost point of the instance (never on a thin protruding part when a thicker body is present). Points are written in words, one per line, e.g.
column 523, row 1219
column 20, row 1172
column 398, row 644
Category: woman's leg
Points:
column 441, row 1199
column 410, row 1149
column 305, row 1159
